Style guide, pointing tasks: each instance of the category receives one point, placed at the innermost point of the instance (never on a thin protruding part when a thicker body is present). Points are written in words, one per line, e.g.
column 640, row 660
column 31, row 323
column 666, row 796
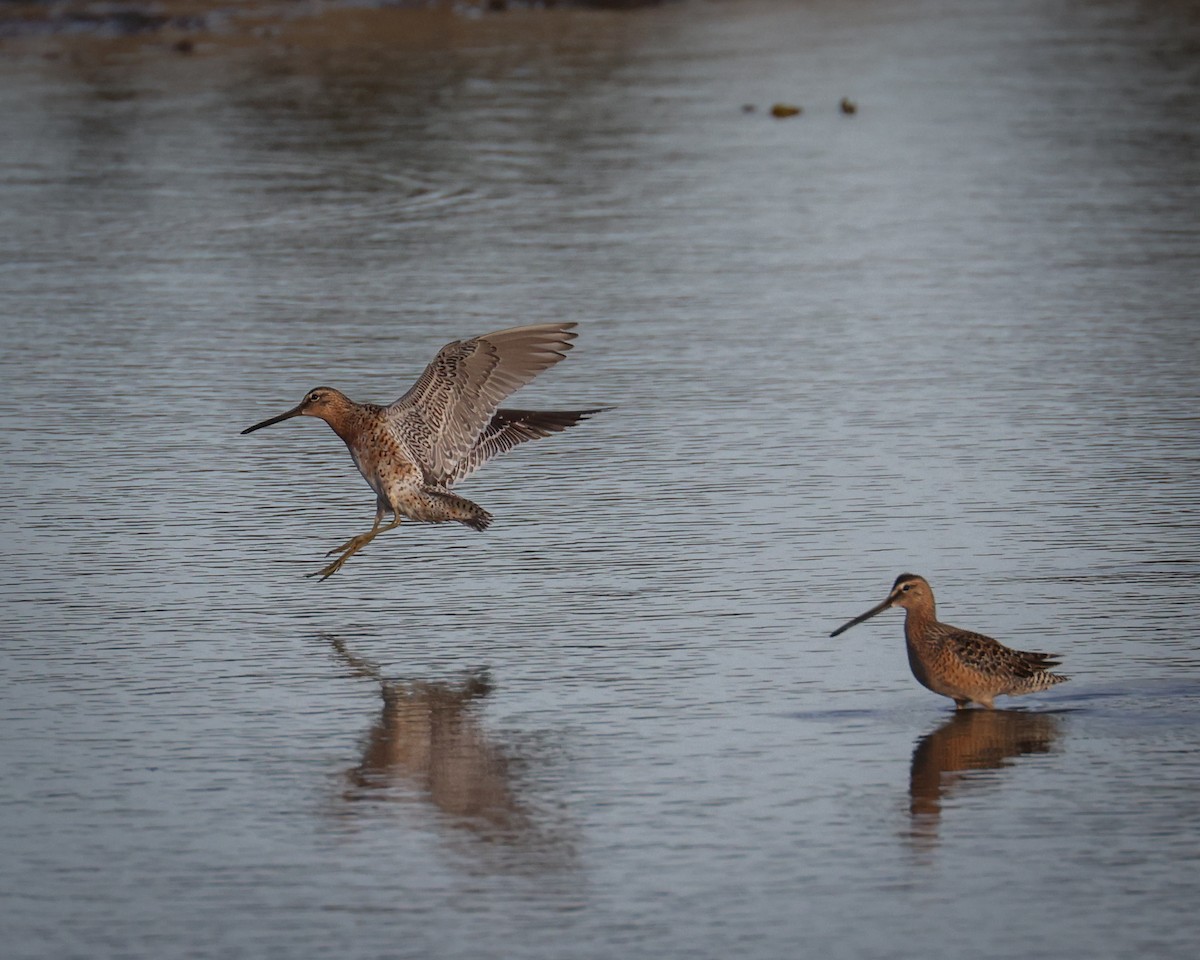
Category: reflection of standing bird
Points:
column 967, row 667
column 971, row 740
column 444, row 428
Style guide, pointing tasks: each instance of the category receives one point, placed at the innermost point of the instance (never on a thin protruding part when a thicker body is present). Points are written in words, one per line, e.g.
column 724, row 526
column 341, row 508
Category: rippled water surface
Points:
column 954, row 333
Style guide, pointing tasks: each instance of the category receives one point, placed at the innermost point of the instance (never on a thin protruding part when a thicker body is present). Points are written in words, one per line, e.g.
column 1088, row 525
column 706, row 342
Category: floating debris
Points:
column 849, row 107
column 782, row 110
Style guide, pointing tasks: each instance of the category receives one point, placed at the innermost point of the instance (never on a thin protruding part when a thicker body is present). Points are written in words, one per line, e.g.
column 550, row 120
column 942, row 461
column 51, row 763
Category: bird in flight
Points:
column 443, row 429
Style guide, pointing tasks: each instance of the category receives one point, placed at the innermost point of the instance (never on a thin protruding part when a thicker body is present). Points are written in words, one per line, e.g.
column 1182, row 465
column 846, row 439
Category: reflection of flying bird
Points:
column 972, row 740
column 428, row 736
column 444, row 428
column 967, row 667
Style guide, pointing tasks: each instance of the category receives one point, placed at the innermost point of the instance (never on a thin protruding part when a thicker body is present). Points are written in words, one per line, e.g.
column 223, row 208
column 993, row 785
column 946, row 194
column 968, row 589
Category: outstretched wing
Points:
column 442, row 417
column 511, row 427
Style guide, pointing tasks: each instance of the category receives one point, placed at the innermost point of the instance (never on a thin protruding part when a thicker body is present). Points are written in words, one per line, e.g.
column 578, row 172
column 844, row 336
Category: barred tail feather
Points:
column 449, row 506
column 1039, row 681
column 480, row 520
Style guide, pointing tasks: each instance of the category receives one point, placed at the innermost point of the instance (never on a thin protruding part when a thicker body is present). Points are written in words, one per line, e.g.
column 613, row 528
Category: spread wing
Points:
column 442, row 417
column 511, row 427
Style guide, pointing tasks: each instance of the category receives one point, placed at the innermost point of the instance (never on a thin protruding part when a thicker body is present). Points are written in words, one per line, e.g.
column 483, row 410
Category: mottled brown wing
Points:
column 442, row 417
column 992, row 658
column 509, row 428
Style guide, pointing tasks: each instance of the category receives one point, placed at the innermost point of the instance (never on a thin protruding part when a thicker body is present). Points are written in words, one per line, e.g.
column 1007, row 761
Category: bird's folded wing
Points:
column 992, row 657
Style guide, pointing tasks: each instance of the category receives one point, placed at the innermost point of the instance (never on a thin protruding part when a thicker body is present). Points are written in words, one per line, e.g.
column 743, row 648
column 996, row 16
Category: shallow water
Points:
column 954, row 334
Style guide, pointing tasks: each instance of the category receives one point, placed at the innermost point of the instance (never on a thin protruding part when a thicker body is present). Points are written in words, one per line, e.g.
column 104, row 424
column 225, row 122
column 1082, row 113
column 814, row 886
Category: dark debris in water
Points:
column 782, row 111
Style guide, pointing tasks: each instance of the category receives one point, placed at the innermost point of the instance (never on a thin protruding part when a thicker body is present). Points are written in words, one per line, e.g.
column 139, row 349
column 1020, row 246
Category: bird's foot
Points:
column 349, row 548
column 354, row 543
column 330, row 569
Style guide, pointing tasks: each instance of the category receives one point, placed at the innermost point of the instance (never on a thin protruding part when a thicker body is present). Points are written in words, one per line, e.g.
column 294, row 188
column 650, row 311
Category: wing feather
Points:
column 508, row 428
column 441, row 418
column 991, row 657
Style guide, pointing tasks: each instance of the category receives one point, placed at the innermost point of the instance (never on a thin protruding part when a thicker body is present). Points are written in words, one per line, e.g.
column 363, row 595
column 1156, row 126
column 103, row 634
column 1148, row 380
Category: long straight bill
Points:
column 866, row 616
column 294, row 412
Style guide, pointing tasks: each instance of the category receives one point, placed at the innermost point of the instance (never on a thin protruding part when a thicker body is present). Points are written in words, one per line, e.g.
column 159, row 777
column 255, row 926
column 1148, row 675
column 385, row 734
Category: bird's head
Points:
column 908, row 591
column 323, row 402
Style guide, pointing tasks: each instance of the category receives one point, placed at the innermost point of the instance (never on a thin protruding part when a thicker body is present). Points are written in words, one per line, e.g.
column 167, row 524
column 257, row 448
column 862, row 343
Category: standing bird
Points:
column 447, row 426
column 967, row 667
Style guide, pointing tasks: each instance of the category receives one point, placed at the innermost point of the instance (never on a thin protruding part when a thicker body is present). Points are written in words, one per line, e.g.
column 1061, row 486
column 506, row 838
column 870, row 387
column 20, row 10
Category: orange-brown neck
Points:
column 919, row 614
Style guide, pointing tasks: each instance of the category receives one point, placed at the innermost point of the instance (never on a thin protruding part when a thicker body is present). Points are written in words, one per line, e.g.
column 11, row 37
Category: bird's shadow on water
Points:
column 428, row 745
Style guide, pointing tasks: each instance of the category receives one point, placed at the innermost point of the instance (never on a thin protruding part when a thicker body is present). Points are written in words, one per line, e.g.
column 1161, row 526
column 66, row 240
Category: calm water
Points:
column 954, row 334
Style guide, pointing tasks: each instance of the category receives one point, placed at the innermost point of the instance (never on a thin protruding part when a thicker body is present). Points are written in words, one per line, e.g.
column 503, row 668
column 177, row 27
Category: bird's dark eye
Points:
column 314, row 397
column 906, row 587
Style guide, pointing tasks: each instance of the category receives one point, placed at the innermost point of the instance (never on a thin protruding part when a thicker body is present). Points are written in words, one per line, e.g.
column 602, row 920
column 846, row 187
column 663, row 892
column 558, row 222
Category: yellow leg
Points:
column 359, row 541
column 352, row 546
